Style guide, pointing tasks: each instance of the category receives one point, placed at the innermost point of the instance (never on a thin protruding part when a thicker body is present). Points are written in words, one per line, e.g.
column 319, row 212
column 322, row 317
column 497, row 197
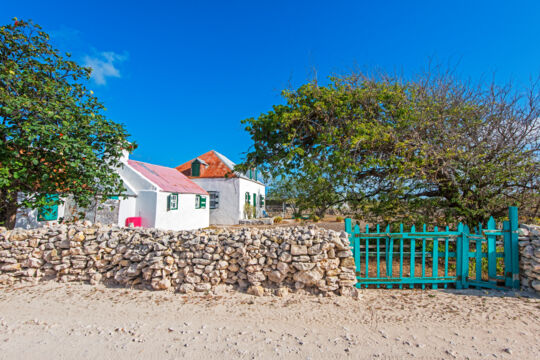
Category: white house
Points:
column 157, row 196
column 233, row 196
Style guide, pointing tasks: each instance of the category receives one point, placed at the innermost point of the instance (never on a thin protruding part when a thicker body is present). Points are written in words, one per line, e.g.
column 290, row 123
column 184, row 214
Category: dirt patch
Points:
column 67, row 321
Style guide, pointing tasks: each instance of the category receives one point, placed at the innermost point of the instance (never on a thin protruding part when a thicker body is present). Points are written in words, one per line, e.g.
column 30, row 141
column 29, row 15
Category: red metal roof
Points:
column 168, row 179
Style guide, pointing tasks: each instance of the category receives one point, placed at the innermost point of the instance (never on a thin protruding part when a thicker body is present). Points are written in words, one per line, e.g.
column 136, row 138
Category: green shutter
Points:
column 196, row 168
column 172, row 205
column 261, row 200
column 202, row 202
column 49, row 213
column 254, row 200
column 248, row 197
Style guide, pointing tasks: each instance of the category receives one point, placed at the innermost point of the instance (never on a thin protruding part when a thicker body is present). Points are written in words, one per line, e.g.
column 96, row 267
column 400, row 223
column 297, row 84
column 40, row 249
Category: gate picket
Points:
column 459, row 258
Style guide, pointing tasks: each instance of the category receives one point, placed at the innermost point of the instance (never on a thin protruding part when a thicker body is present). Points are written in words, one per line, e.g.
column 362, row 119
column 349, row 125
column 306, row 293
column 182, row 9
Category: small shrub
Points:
column 249, row 211
column 339, row 218
column 315, row 218
column 278, row 219
column 297, row 219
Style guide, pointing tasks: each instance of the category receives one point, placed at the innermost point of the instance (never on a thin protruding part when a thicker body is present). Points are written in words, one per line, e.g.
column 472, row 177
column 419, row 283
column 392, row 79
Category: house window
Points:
column 196, row 168
column 49, row 212
column 254, row 200
column 200, row 202
column 253, row 173
column 214, row 199
column 248, row 197
column 261, row 200
column 172, row 202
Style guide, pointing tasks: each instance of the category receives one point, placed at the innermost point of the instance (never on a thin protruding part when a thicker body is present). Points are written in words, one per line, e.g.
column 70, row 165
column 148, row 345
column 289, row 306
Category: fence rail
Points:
column 437, row 258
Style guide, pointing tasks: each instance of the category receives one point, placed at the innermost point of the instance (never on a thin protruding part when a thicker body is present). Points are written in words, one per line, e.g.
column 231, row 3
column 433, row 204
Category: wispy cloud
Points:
column 104, row 65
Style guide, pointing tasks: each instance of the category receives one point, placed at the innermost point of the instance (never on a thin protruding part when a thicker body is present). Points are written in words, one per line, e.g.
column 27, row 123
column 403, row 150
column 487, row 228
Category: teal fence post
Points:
column 465, row 254
column 478, row 253
column 413, row 255
column 356, row 241
column 513, row 217
column 492, row 252
column 507, row 254
column 348, row 226
column 459, row 257
column 435, row 257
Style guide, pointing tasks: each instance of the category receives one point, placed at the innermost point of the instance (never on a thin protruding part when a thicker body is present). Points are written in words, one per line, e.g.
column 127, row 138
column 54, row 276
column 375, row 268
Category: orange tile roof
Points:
column 215, row 167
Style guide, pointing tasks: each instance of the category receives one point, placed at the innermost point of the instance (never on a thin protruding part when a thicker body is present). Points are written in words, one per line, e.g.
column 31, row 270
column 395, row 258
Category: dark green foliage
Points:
column 391, row 149
column 54, row 138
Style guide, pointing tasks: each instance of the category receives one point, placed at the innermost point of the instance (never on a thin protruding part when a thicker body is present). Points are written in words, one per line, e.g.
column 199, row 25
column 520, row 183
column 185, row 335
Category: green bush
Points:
column 249, row 211
column 339, row 218
column 315, row 218
column 278, row 219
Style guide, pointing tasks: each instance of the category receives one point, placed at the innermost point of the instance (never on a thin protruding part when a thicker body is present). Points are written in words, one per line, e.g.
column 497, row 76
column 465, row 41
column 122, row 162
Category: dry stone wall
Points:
column 257, row 259
column 529, row 260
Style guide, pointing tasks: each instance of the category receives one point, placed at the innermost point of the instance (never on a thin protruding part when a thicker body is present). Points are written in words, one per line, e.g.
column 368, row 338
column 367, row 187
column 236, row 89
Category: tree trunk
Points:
column 8, row 215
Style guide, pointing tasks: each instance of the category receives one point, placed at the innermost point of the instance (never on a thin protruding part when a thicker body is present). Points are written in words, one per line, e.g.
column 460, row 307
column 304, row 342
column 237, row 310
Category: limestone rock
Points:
column 256, row 290
column 299, row 250
column 309, row 277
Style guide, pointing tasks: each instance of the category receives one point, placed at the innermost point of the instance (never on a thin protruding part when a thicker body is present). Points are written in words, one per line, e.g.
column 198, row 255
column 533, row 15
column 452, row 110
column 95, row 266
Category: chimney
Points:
column 125, row 156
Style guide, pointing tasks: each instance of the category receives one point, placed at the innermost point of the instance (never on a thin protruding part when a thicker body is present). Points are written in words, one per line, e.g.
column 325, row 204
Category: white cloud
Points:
column 104, row 65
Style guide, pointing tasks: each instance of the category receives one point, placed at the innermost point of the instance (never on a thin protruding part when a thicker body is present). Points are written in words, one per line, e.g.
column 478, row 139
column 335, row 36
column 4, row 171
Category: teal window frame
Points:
column 261, row 200
column 49, row 212
column 248, row 197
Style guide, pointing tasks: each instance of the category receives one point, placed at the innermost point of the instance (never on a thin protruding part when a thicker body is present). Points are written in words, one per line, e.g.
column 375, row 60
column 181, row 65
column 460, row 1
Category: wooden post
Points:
column 459, row 257
column 492, row 252
column 435, row 259
column 465, row 254
column 508, row 281
column 513, row 217
column 348, row 226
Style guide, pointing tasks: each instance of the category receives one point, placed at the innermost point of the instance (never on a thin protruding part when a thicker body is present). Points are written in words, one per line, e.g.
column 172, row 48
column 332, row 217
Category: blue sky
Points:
column 181, row 75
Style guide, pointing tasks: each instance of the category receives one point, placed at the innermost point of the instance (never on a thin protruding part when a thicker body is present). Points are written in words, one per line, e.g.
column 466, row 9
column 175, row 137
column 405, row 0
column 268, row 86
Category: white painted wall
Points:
column 145, row 200
column 28, row 218
column 231, row 198
column 252, row 187
column 228, row 212
column 146, row 207
column 186, row 217
column 128, row 208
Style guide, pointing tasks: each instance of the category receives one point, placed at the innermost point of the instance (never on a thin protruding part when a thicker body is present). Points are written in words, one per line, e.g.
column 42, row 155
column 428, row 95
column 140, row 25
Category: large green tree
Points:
column 430, row 146
column 54, row 138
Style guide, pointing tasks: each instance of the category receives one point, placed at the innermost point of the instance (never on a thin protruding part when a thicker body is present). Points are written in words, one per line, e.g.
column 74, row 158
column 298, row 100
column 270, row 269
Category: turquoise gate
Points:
column 485, row 257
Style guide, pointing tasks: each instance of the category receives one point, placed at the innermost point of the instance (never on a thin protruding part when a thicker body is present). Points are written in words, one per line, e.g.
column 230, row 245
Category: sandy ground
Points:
column 76, row 321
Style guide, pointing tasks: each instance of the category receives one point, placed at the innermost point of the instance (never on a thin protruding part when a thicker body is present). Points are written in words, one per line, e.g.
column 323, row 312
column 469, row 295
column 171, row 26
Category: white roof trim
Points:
column 144, row 177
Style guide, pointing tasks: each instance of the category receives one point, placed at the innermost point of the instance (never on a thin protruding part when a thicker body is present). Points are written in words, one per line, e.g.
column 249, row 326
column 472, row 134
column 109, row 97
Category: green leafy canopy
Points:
column 54, row 136
column 430, row 146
